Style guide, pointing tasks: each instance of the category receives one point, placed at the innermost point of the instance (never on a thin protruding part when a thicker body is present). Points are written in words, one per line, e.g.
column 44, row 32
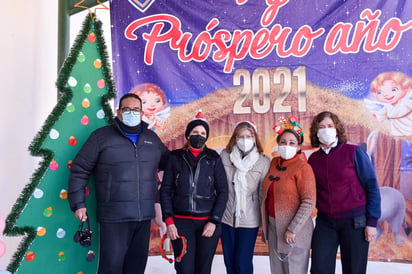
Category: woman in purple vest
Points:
column 348, row 199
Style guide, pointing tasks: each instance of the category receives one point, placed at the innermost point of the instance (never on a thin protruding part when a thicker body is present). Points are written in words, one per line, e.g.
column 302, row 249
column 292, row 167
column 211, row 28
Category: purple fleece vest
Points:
column 339, row 191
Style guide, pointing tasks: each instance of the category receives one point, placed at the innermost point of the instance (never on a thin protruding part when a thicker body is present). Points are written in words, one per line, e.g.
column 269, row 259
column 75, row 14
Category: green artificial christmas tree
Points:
column 42, row 213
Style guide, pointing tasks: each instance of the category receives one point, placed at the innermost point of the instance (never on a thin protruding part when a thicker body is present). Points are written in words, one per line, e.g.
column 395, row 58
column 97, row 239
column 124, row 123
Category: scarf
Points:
column 243, row 165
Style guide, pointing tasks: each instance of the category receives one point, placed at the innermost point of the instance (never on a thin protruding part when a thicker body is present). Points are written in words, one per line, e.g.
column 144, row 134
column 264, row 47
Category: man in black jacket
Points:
column 124, row 158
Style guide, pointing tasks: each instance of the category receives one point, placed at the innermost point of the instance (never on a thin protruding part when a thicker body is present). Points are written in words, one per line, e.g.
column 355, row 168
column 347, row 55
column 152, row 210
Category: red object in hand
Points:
column 184, row 249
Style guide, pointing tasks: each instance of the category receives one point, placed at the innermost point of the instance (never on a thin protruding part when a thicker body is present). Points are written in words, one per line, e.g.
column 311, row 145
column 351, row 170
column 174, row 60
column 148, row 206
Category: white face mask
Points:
column 327, row 135
column 131, row 119
column 287, row 152
column 245, row 144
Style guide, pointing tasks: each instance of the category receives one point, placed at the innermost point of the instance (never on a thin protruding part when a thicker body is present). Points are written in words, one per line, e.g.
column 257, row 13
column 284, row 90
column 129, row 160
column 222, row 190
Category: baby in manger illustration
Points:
column 393, row 94
column 156, row 112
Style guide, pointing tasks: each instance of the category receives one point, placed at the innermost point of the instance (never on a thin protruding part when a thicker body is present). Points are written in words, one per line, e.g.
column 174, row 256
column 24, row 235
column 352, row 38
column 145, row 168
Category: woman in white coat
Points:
column 246, row 166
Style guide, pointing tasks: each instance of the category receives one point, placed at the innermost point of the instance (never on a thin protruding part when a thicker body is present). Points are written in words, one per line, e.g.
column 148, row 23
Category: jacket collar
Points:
column 206, row 152
column 299, row 157
column 332, row 149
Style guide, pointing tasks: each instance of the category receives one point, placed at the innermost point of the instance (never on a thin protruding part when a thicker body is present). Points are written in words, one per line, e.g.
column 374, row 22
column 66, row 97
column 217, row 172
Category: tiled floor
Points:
column 158, row 265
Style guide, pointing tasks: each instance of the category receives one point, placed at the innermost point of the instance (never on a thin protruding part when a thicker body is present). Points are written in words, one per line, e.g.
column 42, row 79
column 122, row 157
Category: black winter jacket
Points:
column 203, row 194
column 124, row 174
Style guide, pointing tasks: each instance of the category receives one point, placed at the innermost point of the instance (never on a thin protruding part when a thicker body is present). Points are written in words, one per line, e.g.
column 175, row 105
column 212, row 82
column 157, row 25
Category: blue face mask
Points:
column 131, row 118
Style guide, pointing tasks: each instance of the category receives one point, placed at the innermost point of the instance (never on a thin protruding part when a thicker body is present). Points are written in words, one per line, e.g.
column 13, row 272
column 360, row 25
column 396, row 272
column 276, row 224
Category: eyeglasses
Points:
column 245, row 136
column 128, row 110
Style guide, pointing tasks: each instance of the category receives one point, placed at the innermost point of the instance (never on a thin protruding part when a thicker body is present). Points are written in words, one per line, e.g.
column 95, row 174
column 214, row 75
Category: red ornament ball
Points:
column 72, row 141
column 30, row 256
column 91, row 37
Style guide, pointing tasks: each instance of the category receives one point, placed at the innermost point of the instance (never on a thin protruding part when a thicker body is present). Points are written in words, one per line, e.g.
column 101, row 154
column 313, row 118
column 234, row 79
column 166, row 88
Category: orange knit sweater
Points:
column 294, row 192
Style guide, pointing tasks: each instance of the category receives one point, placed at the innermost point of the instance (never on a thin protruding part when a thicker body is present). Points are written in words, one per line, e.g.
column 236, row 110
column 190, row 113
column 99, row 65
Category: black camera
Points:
column 84, row 237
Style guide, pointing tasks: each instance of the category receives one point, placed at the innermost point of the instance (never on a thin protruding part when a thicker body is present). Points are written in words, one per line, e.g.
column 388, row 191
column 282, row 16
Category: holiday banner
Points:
column 264, row 60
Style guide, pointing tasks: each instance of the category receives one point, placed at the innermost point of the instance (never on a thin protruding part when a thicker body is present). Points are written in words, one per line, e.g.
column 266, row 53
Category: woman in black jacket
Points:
column 193, row 197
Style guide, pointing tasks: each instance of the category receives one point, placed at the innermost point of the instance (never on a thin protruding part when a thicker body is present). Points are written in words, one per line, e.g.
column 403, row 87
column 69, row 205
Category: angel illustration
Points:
column 156, row 113
column 393, row 94
column 155, row 110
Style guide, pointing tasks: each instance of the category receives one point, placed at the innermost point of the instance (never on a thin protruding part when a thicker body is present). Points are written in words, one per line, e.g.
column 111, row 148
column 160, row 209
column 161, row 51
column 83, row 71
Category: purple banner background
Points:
column 349, row 74
column 345, row 74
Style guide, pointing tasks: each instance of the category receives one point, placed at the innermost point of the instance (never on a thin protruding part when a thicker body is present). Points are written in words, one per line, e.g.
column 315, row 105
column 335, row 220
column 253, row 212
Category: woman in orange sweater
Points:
column 289, row 197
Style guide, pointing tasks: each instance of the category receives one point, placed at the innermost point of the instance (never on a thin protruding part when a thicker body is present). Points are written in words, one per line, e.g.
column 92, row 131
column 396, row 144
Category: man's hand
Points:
column 81, row 214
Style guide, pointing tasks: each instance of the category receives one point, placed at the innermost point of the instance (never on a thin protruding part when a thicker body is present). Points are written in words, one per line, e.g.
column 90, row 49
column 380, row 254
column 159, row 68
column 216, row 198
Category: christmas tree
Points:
column 42, row 213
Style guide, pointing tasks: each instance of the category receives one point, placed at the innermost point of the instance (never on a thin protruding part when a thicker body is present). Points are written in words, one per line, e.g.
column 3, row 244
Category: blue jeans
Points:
column 238, row 247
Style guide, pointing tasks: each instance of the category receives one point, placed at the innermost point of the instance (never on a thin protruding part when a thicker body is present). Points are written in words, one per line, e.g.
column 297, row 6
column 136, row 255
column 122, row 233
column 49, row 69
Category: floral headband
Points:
column 291, row 123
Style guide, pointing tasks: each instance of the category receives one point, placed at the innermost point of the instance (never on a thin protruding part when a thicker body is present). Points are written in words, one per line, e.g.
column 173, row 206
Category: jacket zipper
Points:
column 138, row 182
column 234, row 212
column 192, row 184
column 197, row 171
column 137, row 171
column 193, row 180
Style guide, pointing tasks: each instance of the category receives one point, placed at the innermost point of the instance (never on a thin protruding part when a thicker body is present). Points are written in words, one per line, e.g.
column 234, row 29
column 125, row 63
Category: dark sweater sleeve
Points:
column 165, row 157
column 367, row 177
column 221, row 192
column 167, row 190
